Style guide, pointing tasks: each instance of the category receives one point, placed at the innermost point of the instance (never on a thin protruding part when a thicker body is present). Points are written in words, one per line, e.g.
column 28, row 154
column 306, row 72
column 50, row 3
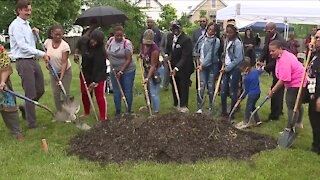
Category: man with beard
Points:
column 277, row 98
column 179, row 48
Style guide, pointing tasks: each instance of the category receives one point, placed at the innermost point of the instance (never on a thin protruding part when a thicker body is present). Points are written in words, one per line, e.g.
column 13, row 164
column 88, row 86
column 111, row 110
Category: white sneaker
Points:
column 184, row 110
column 199, row 111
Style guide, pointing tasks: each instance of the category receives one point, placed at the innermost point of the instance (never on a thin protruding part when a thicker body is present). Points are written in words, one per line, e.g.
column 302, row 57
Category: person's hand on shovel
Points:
column 92, row 86
column 199, row 68
column 3, row 86
column 76, row 58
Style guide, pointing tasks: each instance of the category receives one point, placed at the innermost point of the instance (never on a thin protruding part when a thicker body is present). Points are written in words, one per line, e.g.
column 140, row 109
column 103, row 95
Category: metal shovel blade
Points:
column 64, row 117
column 287, row 138
column 83, row 126
column 71, row 106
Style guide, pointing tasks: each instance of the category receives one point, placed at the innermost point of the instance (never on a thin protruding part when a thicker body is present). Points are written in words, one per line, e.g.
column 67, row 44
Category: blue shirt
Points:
column 251, row 83
column 22, row 40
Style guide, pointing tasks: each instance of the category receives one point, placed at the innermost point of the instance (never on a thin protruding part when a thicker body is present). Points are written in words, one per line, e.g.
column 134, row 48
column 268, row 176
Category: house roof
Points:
column 153, row 0
column 201, row 4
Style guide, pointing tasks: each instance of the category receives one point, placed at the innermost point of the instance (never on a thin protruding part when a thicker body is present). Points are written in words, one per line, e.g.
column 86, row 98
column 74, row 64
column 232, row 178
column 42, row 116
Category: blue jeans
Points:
column 208, row 78
column 232, row 78
column 251, row 106
column 154, row 93
column 126, row 81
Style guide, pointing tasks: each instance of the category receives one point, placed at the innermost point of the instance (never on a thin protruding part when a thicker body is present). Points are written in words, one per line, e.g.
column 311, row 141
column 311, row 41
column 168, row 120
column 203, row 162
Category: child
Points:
column 8, row 106
column 252, row 89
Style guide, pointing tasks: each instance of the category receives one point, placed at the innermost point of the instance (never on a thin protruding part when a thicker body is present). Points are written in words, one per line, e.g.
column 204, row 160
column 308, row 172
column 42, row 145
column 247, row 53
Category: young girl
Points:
column 231, row 77
column 206, row 49
column 94, row 70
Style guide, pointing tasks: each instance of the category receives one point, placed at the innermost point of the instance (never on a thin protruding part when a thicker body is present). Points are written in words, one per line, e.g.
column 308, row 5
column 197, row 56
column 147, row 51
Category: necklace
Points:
column 55, row 45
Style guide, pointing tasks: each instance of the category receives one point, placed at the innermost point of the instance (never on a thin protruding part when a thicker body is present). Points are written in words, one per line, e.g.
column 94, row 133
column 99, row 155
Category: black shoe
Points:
column 23, row 111
column 315, row 150
column 273, row 118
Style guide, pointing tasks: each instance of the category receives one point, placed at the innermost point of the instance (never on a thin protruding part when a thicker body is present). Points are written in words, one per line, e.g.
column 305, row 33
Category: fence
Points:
column 72, row 41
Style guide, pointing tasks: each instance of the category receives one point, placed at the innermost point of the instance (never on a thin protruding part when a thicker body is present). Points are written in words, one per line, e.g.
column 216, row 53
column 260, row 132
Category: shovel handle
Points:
column 145, row 87
column 174, row 83
column 218, row 84
column 257, row 108
column 30, row 100
column 236, row 105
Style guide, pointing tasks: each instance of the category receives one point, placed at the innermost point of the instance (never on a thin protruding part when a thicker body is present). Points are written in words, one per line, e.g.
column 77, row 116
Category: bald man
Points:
column 157, row 34
column 277, row 98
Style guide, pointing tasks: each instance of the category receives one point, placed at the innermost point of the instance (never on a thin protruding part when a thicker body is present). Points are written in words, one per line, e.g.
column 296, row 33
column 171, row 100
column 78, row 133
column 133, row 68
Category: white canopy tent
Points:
column 289, row 14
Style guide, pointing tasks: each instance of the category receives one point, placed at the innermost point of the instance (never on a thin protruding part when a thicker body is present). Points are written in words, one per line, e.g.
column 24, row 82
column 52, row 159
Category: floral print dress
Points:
column 7, row 100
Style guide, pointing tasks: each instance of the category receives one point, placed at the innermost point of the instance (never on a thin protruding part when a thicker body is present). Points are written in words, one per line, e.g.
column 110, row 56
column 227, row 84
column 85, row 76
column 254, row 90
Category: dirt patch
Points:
column 173, row 137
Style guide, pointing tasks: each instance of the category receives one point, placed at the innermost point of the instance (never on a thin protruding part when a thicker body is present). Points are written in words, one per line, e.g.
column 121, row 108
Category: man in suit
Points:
column 179, row 49
column 277, row 98
column 200, row 31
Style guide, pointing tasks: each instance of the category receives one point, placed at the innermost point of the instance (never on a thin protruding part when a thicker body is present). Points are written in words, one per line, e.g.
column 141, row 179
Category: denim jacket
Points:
column 210, row 52
column 235, row 52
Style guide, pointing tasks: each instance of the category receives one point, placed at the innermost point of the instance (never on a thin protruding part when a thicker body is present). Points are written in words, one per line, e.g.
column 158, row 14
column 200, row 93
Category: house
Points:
column 209, row 6
column 151, row 7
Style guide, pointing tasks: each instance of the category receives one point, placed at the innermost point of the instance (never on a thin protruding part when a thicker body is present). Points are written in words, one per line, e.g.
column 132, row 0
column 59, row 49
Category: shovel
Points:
column 235, row 106
column 216, row 90
column 174, row 83
column 288, row 136
column 69, row 105
column 30, row 100
column 198, row 80
column 146, row 92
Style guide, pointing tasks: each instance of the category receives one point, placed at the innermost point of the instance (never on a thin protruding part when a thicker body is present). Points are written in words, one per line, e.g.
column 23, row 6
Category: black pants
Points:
column 314, row 118
column 276, row 100
column 291, row 97
column 183, row 85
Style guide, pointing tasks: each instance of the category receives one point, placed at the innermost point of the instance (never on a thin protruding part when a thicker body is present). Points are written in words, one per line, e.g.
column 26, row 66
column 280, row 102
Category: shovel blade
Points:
column 287, row 138
column 64, row 117
column 71, row 106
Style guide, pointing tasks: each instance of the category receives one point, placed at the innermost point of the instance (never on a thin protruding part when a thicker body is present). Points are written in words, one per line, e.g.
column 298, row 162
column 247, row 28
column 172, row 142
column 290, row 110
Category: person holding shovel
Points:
column 289, row 71
column 231, row 73
column 94, row 70
column 206, row 50
column 23, row 48
column 59, row 51
column 8, row 106
column 150, row 55
column 123, row 68
column 252, row 90
column 314, row 95
column 179, row 49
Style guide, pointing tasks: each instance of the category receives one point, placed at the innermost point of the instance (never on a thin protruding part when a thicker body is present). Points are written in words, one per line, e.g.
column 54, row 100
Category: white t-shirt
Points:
column 56, row 54
column 227, row 58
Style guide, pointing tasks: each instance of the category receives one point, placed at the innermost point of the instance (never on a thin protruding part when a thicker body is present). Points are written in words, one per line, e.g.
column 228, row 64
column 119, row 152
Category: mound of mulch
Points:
column 173, row 137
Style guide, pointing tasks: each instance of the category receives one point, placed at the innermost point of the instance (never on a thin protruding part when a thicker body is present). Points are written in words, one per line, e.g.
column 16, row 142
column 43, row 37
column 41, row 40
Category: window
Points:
column 147, row 3
column 214, row 3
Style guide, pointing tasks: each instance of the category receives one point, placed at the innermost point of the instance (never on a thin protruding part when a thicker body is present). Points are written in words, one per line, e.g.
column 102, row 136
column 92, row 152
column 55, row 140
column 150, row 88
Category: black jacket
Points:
column 181, row 54
column 93, row 58
column 270, row 62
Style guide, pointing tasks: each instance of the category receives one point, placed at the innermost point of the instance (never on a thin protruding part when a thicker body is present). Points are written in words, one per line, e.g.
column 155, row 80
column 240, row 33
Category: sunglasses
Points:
column 203, row 21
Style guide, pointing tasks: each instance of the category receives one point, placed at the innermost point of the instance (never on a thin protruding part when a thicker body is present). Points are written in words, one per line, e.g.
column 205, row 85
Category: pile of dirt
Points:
column 173, row 137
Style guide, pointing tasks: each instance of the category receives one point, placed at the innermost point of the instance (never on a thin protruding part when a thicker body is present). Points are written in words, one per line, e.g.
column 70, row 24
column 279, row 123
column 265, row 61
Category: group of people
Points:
column 215, row 58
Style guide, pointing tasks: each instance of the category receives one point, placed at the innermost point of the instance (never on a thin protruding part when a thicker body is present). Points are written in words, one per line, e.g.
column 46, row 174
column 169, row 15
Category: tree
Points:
column 44, row 13
column 185, row 20
column 168, row 14
column 203, row 13
column 7, row 14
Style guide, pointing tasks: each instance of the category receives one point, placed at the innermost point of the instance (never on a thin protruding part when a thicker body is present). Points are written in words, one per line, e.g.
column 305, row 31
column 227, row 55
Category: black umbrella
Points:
column 102, row 15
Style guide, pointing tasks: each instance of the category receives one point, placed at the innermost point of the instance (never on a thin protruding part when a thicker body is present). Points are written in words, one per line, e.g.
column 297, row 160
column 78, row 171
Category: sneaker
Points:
column 258, row 123
column 199, row 111
column 23, row 111
column 83, row 126
column 184, row 110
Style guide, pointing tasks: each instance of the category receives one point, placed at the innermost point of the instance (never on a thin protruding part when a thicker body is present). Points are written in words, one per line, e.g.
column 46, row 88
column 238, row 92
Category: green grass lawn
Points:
column 26, row 160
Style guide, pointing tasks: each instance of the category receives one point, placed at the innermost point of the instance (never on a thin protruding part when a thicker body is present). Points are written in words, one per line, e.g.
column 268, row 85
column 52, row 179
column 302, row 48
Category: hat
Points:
column 231, row 21
column 148, row 37
column 176, row 24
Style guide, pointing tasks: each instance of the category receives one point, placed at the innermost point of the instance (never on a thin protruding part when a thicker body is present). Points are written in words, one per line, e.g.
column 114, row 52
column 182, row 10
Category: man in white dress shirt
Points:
column 23, row 48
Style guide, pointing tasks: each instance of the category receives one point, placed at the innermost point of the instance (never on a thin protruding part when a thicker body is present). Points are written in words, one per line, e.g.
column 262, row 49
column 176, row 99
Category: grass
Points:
column 26, row 160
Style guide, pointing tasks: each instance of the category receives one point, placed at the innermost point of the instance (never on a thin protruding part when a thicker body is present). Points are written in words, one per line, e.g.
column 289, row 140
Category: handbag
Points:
column 156, row 77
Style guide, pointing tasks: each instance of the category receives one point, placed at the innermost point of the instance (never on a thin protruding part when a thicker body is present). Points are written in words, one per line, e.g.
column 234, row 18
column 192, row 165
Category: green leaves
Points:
column 168, row 14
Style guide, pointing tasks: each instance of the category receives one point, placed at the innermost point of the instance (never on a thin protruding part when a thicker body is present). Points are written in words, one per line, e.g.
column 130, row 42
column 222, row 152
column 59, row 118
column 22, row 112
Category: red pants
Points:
column 101, row 100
